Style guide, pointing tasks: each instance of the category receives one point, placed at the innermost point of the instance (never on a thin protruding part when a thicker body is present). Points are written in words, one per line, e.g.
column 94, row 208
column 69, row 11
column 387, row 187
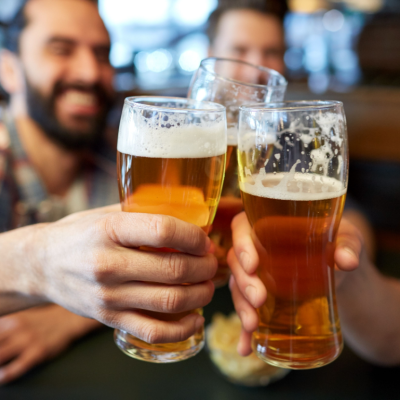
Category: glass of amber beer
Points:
column 293, row 171
column 232, row 83
column 171, row 161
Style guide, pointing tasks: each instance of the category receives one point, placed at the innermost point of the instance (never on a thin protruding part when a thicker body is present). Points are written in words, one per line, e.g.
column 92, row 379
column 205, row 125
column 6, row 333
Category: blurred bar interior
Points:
column 346, row 50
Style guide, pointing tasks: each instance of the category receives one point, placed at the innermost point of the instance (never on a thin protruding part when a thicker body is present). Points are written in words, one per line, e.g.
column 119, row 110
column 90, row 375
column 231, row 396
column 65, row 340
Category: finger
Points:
column 169, row 268
column 250, row 286
column 20, row 366
column 154, row 331
column 137, row 229
column 246, row 312
column 243, row 244
column 160, row 298
column 349, row 245
column 244, row 345
column 10, row 349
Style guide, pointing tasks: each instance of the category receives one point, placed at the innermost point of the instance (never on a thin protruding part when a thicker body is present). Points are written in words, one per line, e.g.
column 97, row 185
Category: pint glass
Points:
column 170, row 161
column 232, row 83
column 293, row 168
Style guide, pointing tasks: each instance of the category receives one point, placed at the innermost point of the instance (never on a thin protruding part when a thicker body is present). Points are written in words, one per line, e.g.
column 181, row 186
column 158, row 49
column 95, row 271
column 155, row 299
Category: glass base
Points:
column 159, row 353
column 300, row 364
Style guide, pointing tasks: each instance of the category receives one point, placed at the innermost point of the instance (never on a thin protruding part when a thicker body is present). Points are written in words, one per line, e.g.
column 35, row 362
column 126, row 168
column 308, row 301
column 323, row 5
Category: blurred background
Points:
column 346, row 50
column 331, row 45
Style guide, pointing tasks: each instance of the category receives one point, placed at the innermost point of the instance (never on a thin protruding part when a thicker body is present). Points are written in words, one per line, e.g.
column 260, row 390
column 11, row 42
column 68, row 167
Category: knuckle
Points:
column 152, row 333
column 102, row 266
column 107, row 317
column 105, row 298
column 172, row 300
column 163, row 228
column 176, row 268
column 109, row 224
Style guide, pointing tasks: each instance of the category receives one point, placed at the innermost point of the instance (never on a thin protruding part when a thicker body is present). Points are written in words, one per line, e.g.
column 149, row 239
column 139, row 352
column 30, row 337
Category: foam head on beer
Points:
column 182, row 134
column 303, row 154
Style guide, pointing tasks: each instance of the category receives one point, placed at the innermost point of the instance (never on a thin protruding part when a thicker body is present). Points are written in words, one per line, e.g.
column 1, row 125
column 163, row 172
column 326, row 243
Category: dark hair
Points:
column 14, row 27
column 277, row 8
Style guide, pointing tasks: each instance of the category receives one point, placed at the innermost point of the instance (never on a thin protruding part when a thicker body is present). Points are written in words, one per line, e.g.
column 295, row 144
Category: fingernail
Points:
column 351, row 252
column 244, row 259
column 251, row 293
column 199, row 322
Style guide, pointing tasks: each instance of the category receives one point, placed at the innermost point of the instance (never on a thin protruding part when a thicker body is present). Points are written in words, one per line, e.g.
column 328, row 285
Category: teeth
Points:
column 79, row 98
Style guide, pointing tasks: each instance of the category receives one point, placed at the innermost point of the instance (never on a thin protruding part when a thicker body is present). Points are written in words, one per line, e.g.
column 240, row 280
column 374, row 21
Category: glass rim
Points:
column 291, row 105
column 133, row 102
column 237, row 82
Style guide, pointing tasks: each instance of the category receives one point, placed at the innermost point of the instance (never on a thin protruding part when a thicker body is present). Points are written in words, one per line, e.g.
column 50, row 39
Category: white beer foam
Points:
column 298, row 187
column 171, row 139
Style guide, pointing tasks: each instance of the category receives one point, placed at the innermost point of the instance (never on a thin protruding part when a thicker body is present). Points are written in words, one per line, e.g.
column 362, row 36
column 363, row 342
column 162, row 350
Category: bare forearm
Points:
column 369, row 309
column 20, row 286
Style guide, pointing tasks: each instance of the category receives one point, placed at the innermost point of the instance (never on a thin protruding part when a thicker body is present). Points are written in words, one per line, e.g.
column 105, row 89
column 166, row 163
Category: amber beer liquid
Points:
column 185, row 188
column 229, row 205
column 295, row 233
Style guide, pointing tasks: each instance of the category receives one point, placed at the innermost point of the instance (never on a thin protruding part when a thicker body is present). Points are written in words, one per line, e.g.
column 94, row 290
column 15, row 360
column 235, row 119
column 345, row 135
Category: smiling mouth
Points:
column 78, row 98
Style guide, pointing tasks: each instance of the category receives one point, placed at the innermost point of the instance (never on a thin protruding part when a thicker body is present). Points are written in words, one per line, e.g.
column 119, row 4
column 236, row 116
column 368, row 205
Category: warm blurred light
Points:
column 294, row 58
column 333, row 20
column 306, row 6
column 141, row 61
column 120, row 55
column 116, row 12
column 189, row 60
column 369, row 6
column 189, row 12
column 159, row 60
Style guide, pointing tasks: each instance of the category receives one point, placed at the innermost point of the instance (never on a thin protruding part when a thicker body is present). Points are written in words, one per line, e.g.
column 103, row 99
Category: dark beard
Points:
column 42, row 110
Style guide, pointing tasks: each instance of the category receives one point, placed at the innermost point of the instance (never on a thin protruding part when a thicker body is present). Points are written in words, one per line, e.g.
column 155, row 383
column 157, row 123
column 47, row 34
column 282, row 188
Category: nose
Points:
column 84, row 67
column 255, row 57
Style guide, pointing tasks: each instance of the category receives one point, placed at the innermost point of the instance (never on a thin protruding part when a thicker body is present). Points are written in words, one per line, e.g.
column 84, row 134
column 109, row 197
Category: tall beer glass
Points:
column 293, row 168
column 170, row 161
column 232, row 83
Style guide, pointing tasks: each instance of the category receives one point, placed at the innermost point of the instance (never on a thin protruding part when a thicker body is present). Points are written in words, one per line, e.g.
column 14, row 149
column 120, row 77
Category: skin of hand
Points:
column 30, row 337
column 248, row 291
column 91, row 264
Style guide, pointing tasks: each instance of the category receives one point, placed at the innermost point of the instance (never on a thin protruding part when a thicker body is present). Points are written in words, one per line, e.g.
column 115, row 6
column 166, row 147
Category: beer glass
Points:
column 293, row 169
column 232, row 83
column 171, row 161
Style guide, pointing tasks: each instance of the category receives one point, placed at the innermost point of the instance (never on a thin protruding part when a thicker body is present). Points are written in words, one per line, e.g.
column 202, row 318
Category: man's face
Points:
column 250, row 36
column 64, row 52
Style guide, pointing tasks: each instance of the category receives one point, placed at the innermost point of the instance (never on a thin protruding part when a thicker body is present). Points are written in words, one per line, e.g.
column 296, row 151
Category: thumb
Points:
column 349, row 245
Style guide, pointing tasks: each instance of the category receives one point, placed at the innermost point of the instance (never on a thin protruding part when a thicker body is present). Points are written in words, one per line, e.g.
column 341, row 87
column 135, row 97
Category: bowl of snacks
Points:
column 222, row 337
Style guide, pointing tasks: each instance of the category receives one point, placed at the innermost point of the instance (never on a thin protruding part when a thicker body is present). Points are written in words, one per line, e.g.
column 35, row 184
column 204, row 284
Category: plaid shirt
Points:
column 23, row 197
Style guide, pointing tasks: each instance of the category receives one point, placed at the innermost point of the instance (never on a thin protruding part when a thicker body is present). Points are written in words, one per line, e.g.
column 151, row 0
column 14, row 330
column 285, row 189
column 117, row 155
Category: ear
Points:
column 11, row 77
